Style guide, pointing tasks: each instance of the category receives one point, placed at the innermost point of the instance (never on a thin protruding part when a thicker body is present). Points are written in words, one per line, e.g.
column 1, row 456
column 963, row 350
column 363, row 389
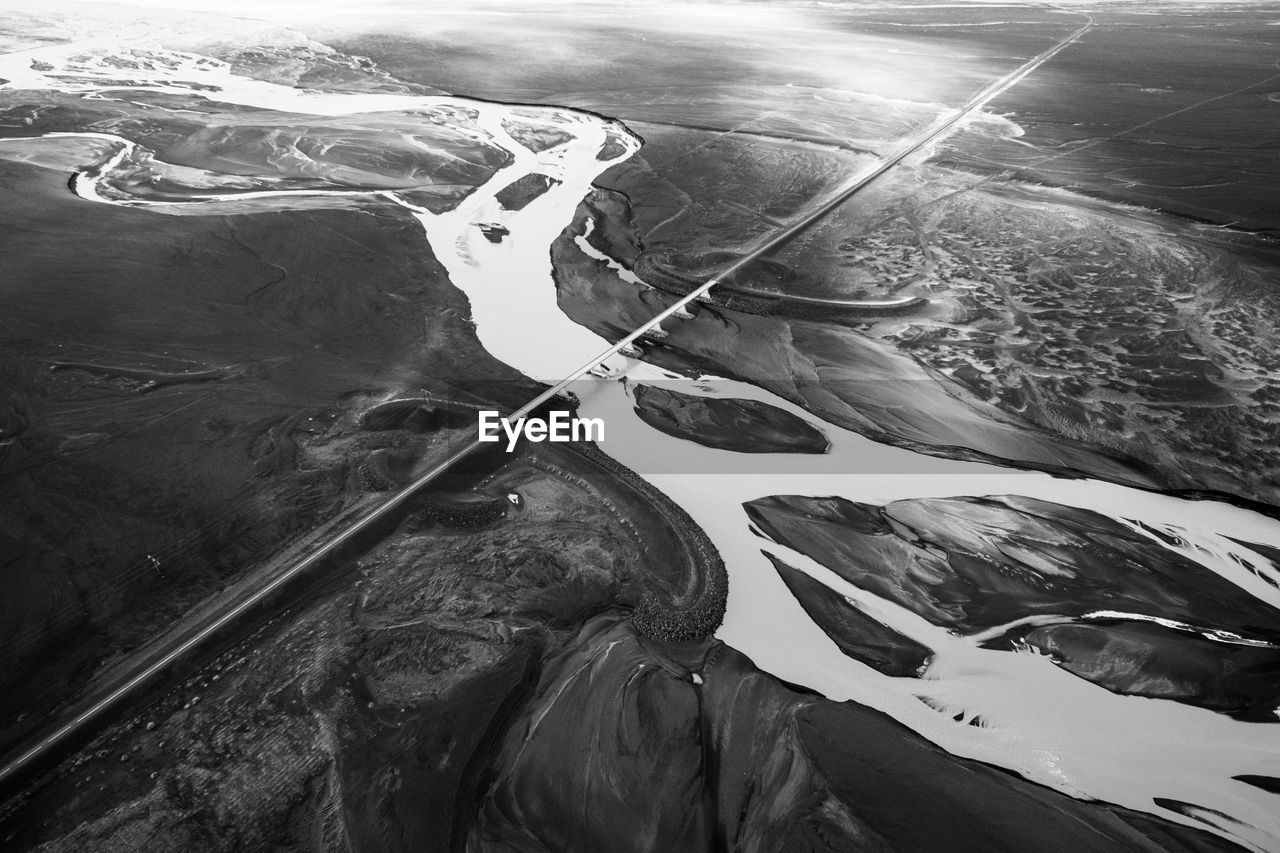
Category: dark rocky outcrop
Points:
column 468, row 511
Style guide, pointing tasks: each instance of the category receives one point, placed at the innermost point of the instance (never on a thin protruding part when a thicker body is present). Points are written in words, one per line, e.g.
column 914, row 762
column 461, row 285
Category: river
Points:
column 1040, row 721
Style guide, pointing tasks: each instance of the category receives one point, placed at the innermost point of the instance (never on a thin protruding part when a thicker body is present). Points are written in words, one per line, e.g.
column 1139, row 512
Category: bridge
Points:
column 215, row 616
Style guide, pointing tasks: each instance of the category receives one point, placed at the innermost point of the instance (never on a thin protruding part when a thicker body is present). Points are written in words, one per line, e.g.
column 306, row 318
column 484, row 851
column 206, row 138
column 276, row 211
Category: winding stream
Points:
column 1039, row 720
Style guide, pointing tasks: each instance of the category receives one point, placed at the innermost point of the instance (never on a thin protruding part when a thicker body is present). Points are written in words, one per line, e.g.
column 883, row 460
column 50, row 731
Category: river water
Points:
column 1039, row 720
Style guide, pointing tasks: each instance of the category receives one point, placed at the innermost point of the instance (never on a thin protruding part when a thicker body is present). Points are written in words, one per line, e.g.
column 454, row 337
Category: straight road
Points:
column 197, row 629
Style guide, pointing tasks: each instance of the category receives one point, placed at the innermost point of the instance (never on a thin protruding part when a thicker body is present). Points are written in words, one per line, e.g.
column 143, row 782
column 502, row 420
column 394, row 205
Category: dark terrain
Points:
column 746, row 426
column 975, row 564
column 524, row 659
column 169, row 381
column 1137, row 344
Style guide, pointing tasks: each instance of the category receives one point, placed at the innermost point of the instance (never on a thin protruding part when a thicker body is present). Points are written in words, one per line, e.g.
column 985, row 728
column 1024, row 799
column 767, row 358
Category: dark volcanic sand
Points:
column 1127, row 339
column 166, row 378
column 746, row 426
column 858, row 635
column 368, row 710
column 1146, row 659
column 972, row 564
column 1156, row 106
column 1114, row 347
column 839, row 375
column 630, row 746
